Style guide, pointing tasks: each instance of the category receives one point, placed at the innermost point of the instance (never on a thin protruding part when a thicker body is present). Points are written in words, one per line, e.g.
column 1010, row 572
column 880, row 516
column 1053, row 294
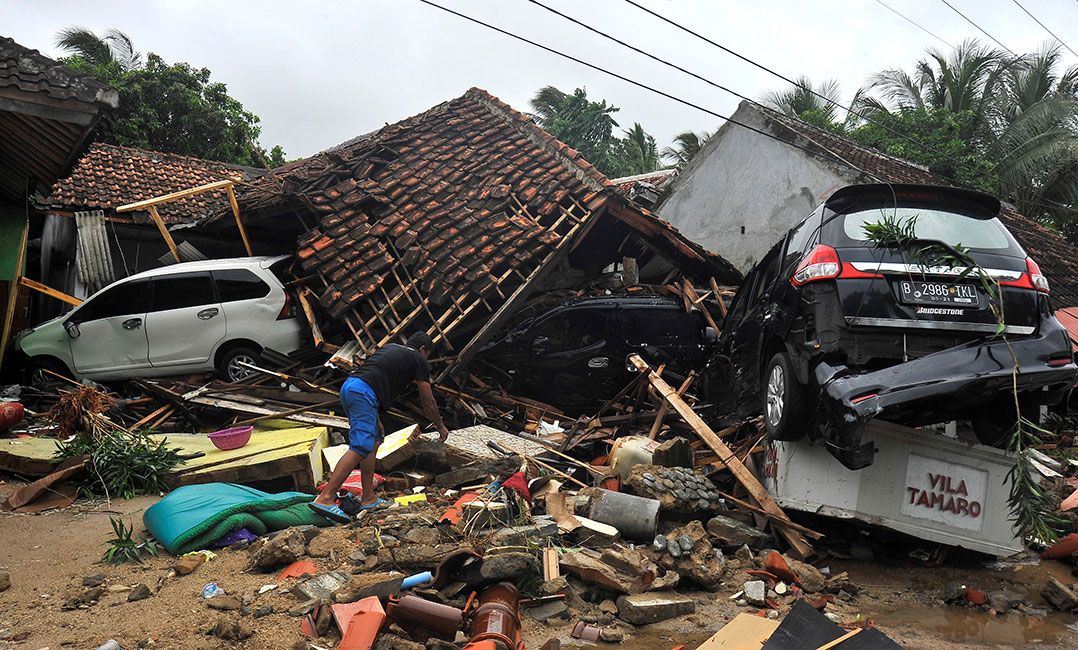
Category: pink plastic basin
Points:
column 231, row 438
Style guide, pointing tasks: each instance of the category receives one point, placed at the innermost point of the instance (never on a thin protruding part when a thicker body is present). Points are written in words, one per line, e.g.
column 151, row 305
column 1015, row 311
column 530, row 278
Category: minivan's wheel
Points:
column 230, row 363
column 996, row 421
column 34, row 374
column 784, row 400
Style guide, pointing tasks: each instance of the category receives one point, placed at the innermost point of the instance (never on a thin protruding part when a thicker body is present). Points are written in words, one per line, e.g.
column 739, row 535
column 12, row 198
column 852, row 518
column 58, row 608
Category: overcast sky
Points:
column 320, row 72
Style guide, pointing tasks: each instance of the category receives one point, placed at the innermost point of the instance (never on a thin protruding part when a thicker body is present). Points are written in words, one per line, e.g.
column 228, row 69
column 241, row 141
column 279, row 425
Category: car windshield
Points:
column 951, row 228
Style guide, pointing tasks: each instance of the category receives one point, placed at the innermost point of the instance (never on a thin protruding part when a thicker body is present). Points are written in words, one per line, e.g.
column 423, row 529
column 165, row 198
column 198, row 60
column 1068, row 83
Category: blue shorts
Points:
column 361, row 404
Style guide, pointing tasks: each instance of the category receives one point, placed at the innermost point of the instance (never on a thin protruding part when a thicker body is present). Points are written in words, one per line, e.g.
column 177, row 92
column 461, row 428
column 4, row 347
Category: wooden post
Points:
column 660, row 415
column 798, row 545
column 718, row 297
column 630, row 271
column 691, row 293
column 239, row 222
column 316, row 331
column 13, row 290
column 164, row 231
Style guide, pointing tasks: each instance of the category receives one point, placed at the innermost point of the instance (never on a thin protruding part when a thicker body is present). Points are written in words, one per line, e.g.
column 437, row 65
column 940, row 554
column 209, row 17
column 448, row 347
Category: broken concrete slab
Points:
column 731, row 532
column 589, row 566
column 284, row 548
column 382, row 585
column 755, row 591
column 540, row 528
column 642, row 609
column 549, row 611
column 320, row 586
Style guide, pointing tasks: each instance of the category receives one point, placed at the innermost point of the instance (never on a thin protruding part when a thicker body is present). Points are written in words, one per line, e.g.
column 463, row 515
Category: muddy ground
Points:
column 49, row 554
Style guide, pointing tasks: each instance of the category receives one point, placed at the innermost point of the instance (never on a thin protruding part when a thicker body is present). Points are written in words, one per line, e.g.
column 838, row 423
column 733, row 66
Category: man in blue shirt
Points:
column 369, row 391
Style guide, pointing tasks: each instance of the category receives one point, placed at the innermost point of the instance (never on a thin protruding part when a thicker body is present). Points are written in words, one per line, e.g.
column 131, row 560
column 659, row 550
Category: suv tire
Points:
column 34, row 375
column 784, row 400
column 228, row 366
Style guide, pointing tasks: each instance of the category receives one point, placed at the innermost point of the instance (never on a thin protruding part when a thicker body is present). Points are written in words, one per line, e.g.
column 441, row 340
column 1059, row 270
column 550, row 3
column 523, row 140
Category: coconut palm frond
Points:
column 547, row 102
column 123, row 49
column 83, row 42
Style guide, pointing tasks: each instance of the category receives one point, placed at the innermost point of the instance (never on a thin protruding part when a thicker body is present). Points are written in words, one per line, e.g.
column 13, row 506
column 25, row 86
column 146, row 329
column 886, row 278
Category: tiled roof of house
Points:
column 109, row 176
column 460, row 194
column 1057, row 258
column 30, row 71
column 659, row 179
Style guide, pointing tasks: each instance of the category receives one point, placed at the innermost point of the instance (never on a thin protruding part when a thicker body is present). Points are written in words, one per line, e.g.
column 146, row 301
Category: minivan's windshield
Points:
column 940, row 225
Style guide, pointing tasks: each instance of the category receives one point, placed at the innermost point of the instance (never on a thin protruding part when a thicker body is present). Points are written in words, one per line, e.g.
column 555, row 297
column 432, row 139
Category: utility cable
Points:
column 638, row 84
column 967, row 19
column 1045, row 27
column 916, row 24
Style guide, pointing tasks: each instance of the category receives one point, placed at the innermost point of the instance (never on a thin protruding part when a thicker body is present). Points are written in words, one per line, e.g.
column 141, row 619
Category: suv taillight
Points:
column 1031, row 279
column 288, row 310
column 821, row 263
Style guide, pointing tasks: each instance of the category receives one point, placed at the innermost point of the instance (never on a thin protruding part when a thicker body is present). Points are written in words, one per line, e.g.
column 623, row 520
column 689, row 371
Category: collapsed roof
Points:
column 47, row 111
column 455, row 214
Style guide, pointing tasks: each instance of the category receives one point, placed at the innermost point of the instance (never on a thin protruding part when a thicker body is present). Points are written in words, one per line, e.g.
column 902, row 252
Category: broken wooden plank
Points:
column 799, row 546
column 239, row 222
column 551, row 568
column 48, row 291
column 308, row 311
column 232, row 405
column 660, row 414
column 718, row 298
column 691, row 293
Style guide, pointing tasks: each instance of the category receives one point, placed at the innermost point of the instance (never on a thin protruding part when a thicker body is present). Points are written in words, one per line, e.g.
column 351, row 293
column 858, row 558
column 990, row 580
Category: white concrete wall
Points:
column 744, row 180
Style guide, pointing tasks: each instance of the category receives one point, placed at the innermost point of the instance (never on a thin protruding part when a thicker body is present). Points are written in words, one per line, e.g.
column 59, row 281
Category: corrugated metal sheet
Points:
column 187, row 251
column 93, row 258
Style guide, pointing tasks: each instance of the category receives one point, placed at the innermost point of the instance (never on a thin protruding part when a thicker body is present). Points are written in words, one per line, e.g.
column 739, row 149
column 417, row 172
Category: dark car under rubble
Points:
column 830, row 330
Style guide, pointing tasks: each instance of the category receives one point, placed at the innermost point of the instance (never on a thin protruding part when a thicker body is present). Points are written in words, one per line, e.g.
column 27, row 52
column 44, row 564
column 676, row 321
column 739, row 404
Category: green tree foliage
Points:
column 946, row 153
column 588, row 126
column 166, row 107
column 978, row 117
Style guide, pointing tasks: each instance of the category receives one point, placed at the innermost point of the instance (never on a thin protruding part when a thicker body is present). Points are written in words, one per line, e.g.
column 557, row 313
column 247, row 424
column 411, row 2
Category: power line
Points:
column 1045, row 27
column 726, row 89
column 916, row 24
column 823, row 97
column 631, row 81
column 977, row 26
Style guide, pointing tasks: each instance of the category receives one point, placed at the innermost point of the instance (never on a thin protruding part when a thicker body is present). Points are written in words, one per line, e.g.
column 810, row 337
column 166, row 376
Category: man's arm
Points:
column 430, row 409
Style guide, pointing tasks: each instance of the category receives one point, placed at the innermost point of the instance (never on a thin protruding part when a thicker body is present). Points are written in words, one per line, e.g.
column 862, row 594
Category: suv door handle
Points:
column 131, row 324
column 207, row 314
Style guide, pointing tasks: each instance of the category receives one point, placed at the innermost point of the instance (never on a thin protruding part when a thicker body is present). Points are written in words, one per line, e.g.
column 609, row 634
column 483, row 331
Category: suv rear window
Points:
column 239, row 284
column 951, row 228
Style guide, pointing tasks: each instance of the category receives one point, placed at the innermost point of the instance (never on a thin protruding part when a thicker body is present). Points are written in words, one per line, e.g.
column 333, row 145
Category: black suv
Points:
column 830, row 330
column 574, row 356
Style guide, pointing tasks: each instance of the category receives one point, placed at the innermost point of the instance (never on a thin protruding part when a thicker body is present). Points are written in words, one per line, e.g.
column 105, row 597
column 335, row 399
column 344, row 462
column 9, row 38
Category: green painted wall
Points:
column 12, row 222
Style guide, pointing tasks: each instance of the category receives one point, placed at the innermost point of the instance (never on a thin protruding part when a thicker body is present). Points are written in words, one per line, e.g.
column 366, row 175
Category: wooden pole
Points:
column 239, row 222
column 798, row 545
column 164, row 231
column 660, row 415
column 718, row 297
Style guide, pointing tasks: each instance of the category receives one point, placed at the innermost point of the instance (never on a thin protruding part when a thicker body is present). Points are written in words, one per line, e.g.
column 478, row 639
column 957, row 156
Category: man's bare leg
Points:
column 345, row 465
column 366, row 468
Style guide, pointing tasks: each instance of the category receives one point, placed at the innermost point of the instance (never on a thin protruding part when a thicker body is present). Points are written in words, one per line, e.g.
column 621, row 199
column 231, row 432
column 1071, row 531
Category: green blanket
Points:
column 193, row 517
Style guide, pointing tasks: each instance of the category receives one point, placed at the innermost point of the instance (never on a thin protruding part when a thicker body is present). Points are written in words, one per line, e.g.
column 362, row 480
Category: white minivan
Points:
column 184, row 318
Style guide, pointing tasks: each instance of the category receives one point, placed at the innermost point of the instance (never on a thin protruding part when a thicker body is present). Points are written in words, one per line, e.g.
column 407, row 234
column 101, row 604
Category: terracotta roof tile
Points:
column 109, row 176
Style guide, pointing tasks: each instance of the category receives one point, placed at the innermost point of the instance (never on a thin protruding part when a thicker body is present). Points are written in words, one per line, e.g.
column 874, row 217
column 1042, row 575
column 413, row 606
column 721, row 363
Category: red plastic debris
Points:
column 976, row 596
column 518, row 483
column 354, row 483
column 456, row 511
column 1062, row 549
column 298, row 569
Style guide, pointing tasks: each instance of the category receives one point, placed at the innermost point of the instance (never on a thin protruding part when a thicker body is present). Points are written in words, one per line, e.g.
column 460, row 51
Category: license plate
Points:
column 917, row 292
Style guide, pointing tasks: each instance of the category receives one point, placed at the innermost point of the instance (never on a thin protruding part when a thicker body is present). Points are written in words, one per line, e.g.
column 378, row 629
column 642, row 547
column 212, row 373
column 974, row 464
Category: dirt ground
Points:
column 47, row 556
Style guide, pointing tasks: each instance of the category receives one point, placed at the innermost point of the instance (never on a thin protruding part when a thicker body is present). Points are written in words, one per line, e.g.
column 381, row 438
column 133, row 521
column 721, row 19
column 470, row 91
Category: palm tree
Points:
column 805, row 97
column 115, row 47
column 685, row 146
column 966, row 79
column 640, row 153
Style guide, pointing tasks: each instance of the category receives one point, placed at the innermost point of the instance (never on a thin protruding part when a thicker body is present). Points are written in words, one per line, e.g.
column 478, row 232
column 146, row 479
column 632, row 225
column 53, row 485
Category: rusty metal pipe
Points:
column 497, row 618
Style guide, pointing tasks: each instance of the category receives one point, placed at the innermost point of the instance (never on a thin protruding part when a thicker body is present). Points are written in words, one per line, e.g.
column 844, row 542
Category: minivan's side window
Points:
column 658, row 327
column 571, row 330
column 239, row 284
column 131, row 297
column 182, row 290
